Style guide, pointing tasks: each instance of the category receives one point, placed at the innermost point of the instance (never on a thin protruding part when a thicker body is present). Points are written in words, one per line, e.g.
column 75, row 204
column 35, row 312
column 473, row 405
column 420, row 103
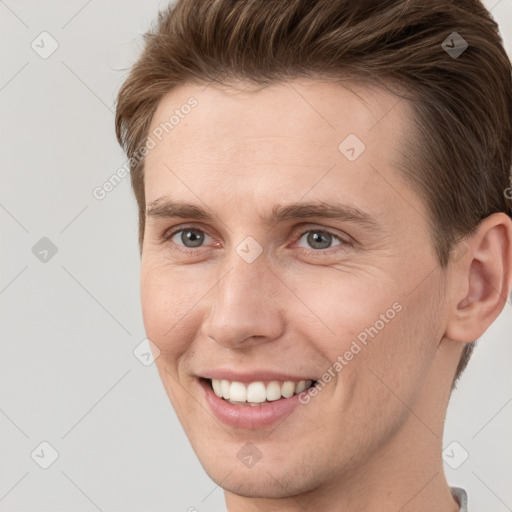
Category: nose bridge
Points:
column 244, row 286
column 242, row 303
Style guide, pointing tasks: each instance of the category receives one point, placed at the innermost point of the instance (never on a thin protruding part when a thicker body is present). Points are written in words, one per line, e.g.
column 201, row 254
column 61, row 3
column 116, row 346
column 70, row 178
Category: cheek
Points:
column 397, row 359
column 168, row 305
column 375, row 330
column 350, row 311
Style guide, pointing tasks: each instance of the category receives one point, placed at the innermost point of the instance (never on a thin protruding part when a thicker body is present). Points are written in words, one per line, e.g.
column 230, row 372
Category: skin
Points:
column 372, row 437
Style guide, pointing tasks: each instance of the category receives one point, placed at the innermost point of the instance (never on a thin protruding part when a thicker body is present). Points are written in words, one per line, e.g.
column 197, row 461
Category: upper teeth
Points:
column 257, row 392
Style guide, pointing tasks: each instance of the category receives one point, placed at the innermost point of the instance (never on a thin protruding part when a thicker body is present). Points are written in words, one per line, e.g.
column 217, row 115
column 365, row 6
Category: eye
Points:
column 188, row 237
column 320, row 239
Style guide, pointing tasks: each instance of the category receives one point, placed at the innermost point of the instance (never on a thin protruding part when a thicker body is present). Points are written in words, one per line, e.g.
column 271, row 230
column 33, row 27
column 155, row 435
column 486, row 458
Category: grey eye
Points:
column 318, row 239
column 189, row 237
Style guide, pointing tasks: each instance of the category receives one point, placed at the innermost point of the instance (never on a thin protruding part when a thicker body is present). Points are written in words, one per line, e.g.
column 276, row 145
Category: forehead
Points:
column 294, row 138
column 308, row 111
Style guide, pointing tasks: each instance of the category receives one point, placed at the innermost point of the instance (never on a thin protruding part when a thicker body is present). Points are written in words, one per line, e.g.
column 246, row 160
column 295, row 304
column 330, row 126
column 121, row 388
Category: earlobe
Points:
column 482, row 279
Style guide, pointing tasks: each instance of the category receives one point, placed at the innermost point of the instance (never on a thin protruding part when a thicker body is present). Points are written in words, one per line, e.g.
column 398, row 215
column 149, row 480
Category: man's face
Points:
column 240, row 298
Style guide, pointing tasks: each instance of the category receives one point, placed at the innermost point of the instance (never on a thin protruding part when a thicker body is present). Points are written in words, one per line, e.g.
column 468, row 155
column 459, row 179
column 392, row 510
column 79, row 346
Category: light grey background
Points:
column 69, row 325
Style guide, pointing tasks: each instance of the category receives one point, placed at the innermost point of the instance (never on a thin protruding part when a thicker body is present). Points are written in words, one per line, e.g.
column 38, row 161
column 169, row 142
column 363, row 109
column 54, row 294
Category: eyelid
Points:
column 340, row 235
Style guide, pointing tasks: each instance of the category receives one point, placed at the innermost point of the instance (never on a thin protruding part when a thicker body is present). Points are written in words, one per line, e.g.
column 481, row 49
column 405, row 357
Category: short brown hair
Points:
column 459, row 158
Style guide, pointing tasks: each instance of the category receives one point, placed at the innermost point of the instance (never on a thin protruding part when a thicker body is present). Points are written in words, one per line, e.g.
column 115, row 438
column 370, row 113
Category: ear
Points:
column 481, row 279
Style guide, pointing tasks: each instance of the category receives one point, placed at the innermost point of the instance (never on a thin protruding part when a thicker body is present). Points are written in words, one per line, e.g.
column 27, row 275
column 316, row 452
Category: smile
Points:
column 253, row 404
column 258, row 392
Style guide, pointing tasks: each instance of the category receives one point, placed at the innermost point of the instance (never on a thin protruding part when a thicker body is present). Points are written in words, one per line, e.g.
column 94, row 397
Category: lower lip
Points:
column 247, row 416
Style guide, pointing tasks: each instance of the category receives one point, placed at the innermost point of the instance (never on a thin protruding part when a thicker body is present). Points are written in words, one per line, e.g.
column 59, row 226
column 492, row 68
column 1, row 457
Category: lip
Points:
column 253, row 376
column 246, row 416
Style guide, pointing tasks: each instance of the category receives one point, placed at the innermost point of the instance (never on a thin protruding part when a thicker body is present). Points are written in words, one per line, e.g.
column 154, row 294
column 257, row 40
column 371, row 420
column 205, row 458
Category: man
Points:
column 325, row 230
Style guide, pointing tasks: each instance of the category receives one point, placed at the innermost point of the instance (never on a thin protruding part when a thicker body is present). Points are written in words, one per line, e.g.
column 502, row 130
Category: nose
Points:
column 245, row 307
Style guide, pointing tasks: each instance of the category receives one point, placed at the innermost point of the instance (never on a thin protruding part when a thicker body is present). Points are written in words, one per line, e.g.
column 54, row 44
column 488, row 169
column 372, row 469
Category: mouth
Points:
column 257, row 393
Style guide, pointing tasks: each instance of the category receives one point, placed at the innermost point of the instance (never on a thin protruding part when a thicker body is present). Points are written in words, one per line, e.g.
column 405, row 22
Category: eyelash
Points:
column 187, row 250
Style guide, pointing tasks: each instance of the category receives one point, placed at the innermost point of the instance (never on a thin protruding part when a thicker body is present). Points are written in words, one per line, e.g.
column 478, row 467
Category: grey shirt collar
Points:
column 462, row 498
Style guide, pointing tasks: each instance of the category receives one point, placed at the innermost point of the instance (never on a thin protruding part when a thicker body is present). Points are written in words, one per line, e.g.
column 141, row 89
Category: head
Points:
column 234, row 117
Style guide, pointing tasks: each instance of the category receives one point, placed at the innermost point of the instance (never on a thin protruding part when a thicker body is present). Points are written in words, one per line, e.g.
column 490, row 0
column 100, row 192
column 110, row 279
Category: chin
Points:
column 265, row 479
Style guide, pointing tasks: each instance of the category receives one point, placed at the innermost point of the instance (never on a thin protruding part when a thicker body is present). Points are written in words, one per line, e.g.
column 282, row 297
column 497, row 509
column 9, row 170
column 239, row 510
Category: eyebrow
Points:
column 164, row 207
